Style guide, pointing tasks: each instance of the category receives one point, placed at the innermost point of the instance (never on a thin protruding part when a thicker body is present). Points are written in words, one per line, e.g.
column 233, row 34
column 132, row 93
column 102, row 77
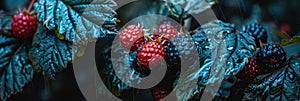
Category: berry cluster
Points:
column 152, row 48
column 269, row 58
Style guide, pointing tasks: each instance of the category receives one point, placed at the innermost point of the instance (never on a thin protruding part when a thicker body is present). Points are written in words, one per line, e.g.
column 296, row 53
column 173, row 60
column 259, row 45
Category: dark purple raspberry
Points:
column 271, row 57
column 258, row 32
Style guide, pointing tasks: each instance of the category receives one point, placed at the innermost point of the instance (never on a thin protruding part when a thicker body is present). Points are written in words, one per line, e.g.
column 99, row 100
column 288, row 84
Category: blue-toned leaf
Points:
column 48, row 53
column 282, row 85
column 77, row 20
column 239, row 46
column 219, row 45
column 122, row 63
column 185, row 89
column 5, row 23
column 5, row 19
column 192, row 6
column 15, row 67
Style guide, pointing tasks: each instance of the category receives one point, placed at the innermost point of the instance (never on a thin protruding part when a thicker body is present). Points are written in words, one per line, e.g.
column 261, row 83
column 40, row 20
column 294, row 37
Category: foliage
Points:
column 15, row 68
column 77, row 21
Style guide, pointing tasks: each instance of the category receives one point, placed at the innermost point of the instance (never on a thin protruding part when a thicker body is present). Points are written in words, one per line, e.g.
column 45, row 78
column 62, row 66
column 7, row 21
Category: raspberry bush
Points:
column 41, row 39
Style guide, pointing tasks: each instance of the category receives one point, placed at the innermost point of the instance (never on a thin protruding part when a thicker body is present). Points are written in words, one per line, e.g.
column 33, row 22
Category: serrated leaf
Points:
column 15, row 68
column 48, row 53
column 193, row 6
column 5, row 20
column 105, row 48
column 77, row 20
column 281, row 85
column 184, row 89
column 240, row 47
column 228, row 48
column 5, row 23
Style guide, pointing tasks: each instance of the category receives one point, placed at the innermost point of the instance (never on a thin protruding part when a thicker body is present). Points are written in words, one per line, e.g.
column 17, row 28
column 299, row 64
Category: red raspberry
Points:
column 168, row 30
column 131, row 37
column 250, row 70
column 24, row 25
column 159, row 93
column 150, row 52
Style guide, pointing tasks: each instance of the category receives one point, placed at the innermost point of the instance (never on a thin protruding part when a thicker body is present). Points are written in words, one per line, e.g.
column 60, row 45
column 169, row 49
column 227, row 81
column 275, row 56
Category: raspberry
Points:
column 250, row 70
column 271, row 57
column 150, row 52
column 258, row 32
column 131, row 37
column 24, row 25
column 137, row 44
column 172, row 53
column 167, row 30
column 160, row 93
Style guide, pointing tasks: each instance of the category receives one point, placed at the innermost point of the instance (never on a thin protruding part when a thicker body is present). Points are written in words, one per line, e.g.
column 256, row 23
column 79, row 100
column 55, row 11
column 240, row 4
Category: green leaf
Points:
column 291, row 47
column 290, row 41
column 77, row 20
column 282, row 85
column 48, row 53
column 281, row 34
column 15, row 67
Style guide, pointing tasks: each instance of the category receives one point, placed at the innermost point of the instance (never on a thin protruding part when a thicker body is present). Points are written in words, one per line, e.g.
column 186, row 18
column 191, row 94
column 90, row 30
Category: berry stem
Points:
column 30, row 6
column 149, row 38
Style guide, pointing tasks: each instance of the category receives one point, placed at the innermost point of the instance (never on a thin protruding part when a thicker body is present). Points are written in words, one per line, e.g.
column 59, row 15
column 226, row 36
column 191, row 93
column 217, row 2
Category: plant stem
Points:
column 30, row 6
